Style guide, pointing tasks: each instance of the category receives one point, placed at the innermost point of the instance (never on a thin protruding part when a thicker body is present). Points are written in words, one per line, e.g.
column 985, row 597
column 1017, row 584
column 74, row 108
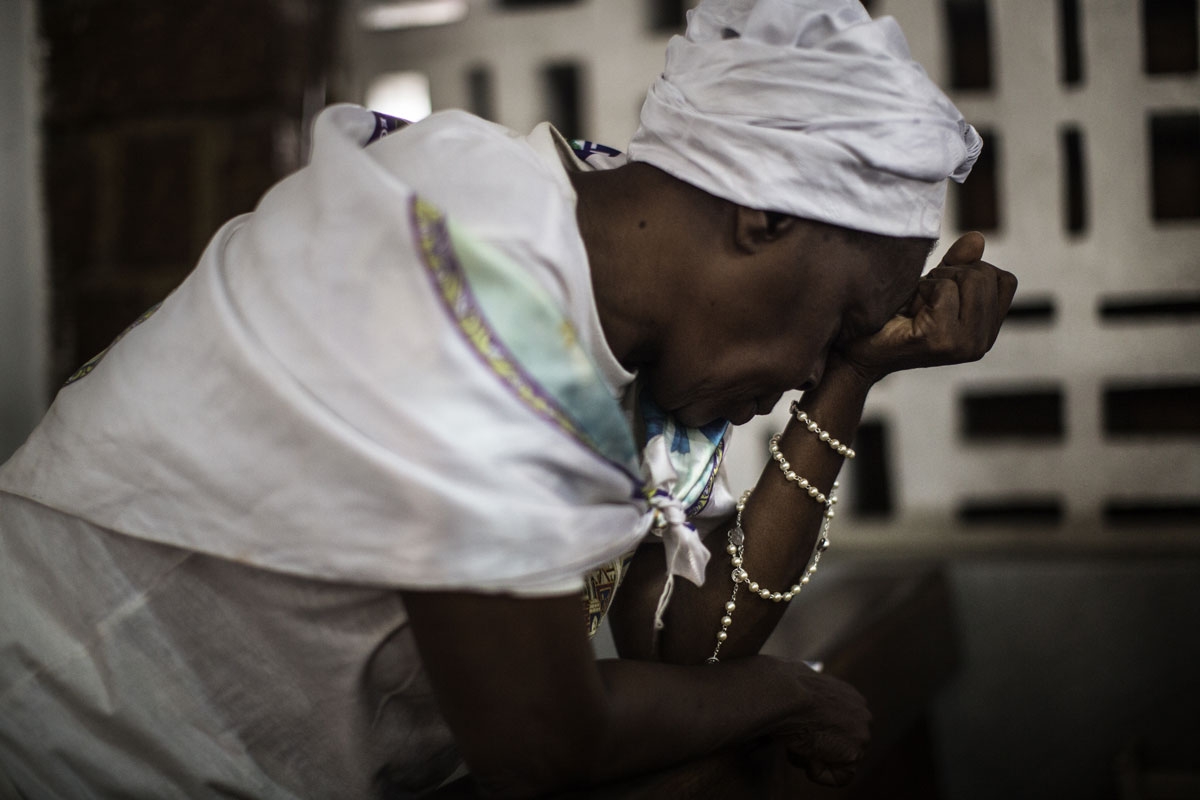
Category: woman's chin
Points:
column 744, row 414
column 699, row 417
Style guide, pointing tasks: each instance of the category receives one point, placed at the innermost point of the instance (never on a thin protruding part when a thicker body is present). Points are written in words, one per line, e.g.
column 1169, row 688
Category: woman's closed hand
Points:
column 953, row 317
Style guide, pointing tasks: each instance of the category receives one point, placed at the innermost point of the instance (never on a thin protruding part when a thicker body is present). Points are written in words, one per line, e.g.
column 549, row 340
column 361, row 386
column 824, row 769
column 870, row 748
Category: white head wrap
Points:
column 806, row 107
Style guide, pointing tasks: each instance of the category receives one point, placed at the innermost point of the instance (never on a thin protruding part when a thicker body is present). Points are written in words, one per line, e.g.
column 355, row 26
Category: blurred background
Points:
column 1056, row 484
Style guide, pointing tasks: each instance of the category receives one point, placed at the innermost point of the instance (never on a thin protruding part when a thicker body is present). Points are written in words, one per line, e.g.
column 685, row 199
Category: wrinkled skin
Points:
column 762, row 319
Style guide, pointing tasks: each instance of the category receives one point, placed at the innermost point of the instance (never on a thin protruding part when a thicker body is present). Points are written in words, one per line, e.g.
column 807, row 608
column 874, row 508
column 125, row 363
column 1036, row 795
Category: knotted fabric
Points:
column 806, row 107
column 685, row 553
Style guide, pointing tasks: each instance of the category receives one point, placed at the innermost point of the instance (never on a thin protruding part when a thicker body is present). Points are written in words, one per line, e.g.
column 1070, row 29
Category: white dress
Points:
column 390, row 375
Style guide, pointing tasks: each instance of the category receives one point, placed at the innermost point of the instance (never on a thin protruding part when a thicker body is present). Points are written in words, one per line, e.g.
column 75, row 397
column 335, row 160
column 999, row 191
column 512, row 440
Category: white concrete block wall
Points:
column 608, row 37
column 1123, row 252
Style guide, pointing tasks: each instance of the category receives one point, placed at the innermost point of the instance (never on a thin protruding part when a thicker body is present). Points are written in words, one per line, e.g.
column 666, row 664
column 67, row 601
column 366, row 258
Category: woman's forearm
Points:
column 533, row 712
column 781, row 524
column 665, row 714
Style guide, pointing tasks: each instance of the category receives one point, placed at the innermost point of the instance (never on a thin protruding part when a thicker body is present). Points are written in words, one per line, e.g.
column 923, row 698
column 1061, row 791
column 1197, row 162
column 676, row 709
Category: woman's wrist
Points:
column 840, row 371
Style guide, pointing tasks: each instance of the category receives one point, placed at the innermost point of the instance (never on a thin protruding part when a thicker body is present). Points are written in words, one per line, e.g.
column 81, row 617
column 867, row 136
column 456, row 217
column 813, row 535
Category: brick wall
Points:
column 162, row 120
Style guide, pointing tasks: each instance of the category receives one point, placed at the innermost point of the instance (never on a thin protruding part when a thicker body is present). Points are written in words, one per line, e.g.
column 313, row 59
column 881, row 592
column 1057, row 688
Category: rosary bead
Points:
column 777, row 597
column 722, row 636
column 753, row 586
column 736, row 561
column 726, row 621
column 730, row 606
column 787, row 597
column 731, row 548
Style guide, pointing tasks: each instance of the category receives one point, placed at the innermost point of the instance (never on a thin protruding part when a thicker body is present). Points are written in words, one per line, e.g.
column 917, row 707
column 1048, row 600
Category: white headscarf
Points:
column 807, row 107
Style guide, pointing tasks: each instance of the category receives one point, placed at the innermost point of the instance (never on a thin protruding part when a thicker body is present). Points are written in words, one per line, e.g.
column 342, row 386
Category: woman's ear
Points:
column 753, row 228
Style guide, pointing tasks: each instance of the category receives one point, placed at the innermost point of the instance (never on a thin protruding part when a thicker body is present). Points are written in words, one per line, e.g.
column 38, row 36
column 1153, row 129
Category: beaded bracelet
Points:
column 737, row 553
column 803, row 418
column 789, row 474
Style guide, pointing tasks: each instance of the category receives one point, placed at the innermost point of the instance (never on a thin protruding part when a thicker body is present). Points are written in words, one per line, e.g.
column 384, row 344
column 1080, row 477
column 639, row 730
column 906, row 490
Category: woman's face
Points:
column 767, row 327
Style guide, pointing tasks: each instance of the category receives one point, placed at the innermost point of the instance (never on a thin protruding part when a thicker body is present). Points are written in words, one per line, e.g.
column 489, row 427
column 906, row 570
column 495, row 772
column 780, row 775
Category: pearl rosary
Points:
column 737, row 537
column 803, row 418
column 788, row 474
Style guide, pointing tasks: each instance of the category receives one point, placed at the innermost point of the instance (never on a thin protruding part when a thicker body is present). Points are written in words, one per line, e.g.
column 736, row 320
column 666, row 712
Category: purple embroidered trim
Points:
column 451, row 286
column 706, row 495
